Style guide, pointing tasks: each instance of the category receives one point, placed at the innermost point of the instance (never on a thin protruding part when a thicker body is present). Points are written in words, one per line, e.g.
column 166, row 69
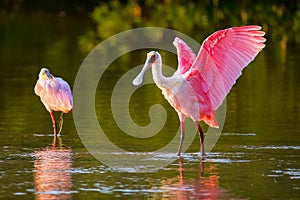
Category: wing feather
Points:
column 223, row 56
column 55, row 94
column 185, row 55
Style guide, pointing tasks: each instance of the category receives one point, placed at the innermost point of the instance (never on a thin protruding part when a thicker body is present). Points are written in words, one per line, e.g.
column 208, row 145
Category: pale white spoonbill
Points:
column 55, row 94
column 201, row 82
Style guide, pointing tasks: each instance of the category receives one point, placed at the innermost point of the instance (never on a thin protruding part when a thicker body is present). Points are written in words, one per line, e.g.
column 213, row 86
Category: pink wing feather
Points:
column 63, row 96
column 185, row 55
column 221, row 59
column 55, row 94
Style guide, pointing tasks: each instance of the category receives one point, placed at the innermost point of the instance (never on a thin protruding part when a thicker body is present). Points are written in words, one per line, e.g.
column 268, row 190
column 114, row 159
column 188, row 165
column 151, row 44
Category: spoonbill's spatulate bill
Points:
column 56, row 95
column 201, row 82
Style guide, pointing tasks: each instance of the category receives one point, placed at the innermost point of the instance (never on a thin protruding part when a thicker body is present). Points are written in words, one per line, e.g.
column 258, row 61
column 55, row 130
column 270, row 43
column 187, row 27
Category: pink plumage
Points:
column 55, row 94
column 219, row 63
column 223, row 56
column 185, row 54
column 201, row 83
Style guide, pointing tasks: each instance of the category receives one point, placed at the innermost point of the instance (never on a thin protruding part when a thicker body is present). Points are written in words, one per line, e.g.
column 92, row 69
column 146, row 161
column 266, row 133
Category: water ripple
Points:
column 239, row 134
column 291, row 172
column 273, row 147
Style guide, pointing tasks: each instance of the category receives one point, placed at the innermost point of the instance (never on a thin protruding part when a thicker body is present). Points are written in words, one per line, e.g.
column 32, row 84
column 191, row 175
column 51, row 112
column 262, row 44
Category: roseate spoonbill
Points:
column 201, row 82
column 56, row 95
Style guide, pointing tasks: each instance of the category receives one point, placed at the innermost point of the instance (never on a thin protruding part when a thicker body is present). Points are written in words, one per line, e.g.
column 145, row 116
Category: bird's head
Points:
column 45, row 74
column 152, row 57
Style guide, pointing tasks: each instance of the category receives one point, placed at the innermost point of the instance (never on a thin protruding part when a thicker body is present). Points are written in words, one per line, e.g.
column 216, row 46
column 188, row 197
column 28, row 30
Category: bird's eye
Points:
column 153, row 57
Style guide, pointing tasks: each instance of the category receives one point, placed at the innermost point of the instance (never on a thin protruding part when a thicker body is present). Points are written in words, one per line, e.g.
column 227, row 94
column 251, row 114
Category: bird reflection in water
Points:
column 186, row 186
column 53, row 172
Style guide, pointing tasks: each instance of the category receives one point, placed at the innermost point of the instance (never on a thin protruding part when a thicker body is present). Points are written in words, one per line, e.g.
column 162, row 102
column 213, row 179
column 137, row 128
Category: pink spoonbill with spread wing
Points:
column 201, row 83
column 56, row 95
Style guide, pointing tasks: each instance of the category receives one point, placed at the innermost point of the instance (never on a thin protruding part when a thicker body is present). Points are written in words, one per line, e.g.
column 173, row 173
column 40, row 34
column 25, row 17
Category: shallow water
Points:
column 64, row 172
column 256, row 157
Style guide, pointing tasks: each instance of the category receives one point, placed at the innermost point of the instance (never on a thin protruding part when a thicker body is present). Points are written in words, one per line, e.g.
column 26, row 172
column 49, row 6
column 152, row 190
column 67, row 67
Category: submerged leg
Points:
column 61, row 121
column 181, row 138
column 53, row 123
column 201, row 138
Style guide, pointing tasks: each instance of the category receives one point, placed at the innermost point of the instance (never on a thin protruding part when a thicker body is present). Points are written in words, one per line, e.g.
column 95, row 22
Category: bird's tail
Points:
column 211, row 121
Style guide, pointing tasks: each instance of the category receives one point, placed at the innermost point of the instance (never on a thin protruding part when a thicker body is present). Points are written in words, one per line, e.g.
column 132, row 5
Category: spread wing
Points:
column 221, row 59
column 185, row 55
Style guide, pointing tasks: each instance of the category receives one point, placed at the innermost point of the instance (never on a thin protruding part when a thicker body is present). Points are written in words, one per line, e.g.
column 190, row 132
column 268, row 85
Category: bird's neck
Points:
column 158, row 77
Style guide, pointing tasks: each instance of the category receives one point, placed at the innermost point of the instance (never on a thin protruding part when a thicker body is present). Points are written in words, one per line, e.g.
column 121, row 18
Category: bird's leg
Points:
column 60, row 144
column 181, row 138
column 54, row 142
column 61, row 121
column 53, row 123
column 201, row 138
